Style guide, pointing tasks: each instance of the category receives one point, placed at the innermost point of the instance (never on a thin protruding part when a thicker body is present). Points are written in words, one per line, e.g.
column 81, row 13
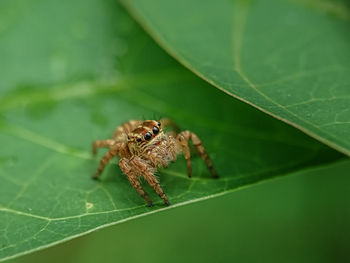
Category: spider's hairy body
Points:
column 142, row 147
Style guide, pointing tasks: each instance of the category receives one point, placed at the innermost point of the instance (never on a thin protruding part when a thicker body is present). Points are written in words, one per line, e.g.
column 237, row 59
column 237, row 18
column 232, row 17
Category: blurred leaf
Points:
column 290, row 59
column 72, row 72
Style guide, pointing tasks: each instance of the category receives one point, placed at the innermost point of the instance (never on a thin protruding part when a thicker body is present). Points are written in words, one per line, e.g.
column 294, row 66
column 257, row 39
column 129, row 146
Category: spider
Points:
column 142, row 147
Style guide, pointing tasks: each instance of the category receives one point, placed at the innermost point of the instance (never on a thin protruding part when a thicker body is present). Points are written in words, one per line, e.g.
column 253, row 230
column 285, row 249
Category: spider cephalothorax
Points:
column 143, row 147
column 145, row 137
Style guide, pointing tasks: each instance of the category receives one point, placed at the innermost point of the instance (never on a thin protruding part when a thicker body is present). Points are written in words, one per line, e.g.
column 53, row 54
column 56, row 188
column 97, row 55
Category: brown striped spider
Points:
column 143, row 147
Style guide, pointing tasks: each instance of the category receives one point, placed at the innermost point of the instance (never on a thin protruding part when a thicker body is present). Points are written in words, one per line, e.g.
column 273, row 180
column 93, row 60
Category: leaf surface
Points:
column 72, row 72
column 290, row 59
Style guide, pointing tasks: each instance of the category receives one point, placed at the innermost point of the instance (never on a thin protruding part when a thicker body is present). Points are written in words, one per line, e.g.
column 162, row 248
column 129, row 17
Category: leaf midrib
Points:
column 168, row 172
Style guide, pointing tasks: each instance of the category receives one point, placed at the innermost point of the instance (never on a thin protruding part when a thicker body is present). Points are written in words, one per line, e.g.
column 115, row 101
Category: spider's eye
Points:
column 148, row 136
column 138, row 139
column 158, row 124
column 155, row 130
column 128, row 137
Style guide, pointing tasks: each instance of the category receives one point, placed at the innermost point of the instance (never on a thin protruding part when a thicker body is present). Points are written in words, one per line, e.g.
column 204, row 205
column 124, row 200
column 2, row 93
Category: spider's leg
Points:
column 183, row 143
column 132, row 177
column 147, row 172
column 187, row 135
column 157, row 159
column 152, row 180
column 101, row 144
column 169, row 123
column 122, row 131
column 105, row 159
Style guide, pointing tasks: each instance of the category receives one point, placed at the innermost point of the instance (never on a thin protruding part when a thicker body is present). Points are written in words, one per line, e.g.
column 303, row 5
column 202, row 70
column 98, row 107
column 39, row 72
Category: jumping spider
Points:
column 143, row 147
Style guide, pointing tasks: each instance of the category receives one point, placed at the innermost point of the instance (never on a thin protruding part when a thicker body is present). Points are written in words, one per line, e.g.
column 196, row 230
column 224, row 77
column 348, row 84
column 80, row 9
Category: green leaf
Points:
column 290, row 59
column 291, row 218
column 72, row 72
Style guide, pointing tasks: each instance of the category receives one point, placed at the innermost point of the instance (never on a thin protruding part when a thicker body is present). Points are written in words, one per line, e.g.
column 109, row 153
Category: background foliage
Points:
column 290, row 59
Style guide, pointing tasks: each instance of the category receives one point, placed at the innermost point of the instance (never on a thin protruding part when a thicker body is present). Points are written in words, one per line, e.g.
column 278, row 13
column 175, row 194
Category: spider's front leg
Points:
column 147, row 172
column 182, row 140
column 126, row 167
column 165, row 153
